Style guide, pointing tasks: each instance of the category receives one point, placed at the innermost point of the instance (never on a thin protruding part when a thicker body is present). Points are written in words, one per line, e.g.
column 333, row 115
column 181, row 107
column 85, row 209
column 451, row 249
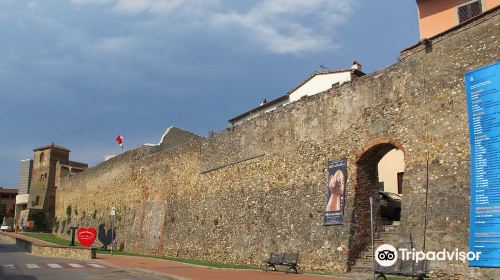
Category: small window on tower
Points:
column 469, row 10
column 42, row 158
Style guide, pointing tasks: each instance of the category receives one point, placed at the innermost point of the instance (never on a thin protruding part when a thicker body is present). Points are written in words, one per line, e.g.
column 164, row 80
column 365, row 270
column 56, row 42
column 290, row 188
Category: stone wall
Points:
column 260, row 186
column 81, row 254
column 54, row 251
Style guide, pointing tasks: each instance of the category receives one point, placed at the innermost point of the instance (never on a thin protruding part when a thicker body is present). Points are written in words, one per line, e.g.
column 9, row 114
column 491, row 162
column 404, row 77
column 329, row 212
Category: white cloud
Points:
column 162, row 7
column 291, row 26
column 278, row 26
column 133, row 6
column 88, row 2
column 111, row 44
column 32, row 5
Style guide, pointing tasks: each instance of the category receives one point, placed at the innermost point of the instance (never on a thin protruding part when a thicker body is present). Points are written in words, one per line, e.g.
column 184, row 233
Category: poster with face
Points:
column 335, row 192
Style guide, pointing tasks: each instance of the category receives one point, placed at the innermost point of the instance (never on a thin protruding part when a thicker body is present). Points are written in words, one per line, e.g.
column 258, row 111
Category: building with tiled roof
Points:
column 315, row 83
column 437, row 16
column 50, row 164
column 7, row 202
column 320, row 81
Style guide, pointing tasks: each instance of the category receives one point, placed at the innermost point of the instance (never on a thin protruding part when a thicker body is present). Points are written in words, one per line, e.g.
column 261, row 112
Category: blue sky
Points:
column 79, row 72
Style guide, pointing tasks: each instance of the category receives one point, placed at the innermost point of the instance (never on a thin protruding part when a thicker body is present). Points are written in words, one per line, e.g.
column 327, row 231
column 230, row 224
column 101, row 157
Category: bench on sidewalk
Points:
column 407, row 268
column 283, row 259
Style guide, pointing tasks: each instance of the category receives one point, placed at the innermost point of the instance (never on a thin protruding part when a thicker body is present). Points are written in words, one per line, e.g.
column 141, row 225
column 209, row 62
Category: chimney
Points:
column 356, row 66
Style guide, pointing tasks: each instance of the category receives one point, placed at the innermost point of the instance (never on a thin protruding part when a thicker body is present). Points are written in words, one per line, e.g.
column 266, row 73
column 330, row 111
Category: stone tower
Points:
column 41, row 203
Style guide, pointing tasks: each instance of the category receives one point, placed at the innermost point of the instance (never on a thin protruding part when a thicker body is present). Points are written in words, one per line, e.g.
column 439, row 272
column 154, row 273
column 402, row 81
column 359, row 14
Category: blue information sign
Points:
column 483, row 106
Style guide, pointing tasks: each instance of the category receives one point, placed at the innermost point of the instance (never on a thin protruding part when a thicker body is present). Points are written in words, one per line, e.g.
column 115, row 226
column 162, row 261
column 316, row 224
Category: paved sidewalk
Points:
column 183, row 271
column 30, row 239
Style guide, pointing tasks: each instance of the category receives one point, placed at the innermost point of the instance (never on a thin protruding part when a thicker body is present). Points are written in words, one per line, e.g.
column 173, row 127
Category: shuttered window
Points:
column 469, row 11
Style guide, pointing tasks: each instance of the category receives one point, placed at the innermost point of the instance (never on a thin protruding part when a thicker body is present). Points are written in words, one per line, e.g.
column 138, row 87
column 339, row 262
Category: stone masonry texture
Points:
column 259, row 187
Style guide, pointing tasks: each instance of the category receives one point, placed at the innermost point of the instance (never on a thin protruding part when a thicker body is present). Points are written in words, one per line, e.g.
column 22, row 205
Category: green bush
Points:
column 56, row 226
column 10, row 221
column 63, row 226
column 68, row 214
column 38, row 218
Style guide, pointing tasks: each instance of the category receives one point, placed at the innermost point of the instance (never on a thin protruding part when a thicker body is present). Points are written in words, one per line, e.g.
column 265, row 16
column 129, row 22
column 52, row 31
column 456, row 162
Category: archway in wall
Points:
column 368, row 185
column 390, row 172
column 390, row 176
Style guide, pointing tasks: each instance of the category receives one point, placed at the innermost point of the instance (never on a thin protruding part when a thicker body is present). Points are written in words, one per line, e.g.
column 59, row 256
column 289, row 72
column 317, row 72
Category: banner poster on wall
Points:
column 335, row 192
column 482, row 86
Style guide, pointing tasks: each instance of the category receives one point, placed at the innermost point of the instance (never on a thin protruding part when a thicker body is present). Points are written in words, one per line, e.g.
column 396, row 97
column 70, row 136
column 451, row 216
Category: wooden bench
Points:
column 408, row 268
column 282, row 259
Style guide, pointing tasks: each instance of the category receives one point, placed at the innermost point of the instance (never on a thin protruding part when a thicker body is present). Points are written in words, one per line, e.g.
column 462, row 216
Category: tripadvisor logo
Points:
column 387, row 255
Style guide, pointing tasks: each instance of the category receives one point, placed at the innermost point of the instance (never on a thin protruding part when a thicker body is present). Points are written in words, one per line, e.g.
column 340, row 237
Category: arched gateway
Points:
column 367, row 184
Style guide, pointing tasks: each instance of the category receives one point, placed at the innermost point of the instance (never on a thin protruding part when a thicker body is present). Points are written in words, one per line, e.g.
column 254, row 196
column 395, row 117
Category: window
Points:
column 42, row 158
column 37, row 200
column 468, row 11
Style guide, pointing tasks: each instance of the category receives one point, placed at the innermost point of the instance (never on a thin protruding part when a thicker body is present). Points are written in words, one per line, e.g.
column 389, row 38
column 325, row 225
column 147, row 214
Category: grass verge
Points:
column 188, row 261
column 49, row 237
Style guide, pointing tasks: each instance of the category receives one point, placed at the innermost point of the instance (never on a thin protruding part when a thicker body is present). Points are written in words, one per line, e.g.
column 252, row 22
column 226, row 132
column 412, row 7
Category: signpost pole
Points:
column 113, row 212
column 112, row 225
column 73, row 230
column 371, row 235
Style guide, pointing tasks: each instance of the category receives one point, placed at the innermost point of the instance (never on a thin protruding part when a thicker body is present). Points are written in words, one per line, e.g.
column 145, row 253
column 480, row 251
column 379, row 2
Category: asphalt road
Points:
column 16, row 265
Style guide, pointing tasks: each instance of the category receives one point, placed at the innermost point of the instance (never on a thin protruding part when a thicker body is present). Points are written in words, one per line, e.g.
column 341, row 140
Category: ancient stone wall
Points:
column 260, row 186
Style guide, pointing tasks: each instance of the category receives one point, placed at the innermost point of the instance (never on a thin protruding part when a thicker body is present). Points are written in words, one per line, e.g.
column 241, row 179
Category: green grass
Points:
column 188, row 261
column 49, row 237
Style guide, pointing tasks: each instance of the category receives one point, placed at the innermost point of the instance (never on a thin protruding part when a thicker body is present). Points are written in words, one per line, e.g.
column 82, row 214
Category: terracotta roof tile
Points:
column 314, row 74
column 53, row 146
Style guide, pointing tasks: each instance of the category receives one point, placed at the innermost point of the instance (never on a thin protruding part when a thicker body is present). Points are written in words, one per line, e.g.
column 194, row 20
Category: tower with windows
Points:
column 48, row 160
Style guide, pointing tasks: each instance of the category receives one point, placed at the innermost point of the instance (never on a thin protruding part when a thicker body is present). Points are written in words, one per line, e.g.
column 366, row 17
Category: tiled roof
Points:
column 284, row 97
column 272, row 102
column 315, row 73
column 458, row 26
column 51, row 146
column 2, row 190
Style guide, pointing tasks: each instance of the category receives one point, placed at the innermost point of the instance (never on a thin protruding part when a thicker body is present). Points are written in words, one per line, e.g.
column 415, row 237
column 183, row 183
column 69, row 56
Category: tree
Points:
column 3, row 209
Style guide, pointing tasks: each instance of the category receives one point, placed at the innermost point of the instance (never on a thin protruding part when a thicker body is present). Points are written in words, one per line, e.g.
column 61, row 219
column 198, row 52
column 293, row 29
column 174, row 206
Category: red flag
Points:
column 119, row 140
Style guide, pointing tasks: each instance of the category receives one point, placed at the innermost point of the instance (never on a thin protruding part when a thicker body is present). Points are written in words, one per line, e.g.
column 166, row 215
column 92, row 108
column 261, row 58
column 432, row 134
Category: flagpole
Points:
column 119, row 140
